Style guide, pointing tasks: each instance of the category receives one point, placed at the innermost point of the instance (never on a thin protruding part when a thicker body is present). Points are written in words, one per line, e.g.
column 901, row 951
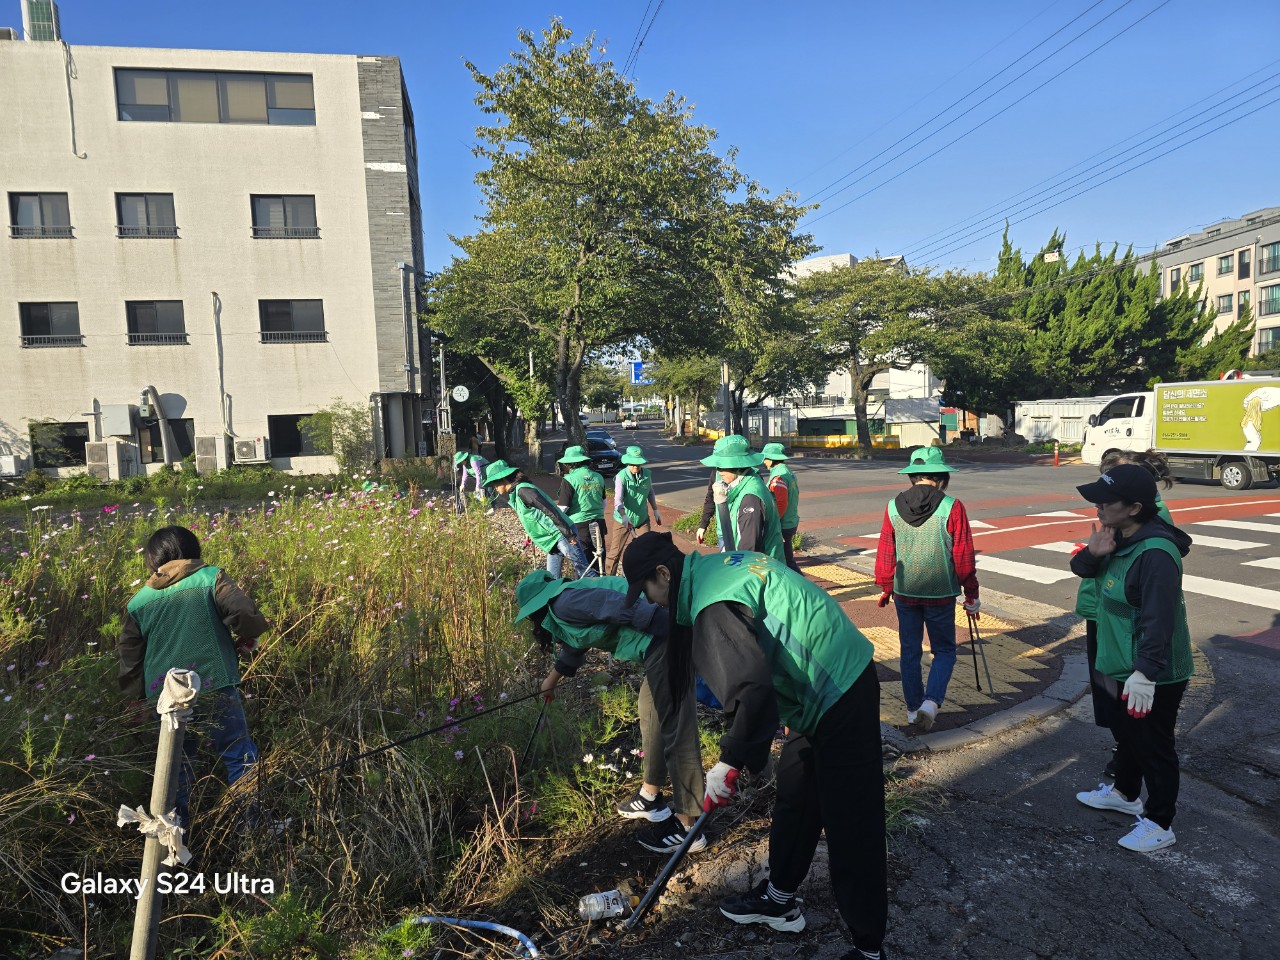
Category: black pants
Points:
column 833, row 780
column 1147, row 754
column 788, row 537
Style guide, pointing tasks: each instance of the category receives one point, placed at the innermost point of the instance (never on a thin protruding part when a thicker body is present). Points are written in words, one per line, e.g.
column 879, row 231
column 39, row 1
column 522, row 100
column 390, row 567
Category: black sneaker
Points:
column 758, row 907
column 665, row 837
column 639, row 808
column 1110, row 769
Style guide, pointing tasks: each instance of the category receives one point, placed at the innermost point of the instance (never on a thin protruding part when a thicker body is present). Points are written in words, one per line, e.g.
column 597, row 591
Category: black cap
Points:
column 1128, row 482
column 644, row 556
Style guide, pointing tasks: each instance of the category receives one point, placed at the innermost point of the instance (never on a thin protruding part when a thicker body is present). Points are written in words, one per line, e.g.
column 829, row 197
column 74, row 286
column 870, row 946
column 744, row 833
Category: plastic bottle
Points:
column 602, row 906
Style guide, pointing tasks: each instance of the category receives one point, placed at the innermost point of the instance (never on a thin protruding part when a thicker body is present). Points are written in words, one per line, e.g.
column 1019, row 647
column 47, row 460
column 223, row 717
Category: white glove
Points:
column 1140, row 693
column 702, row 535
column 973, row 606
column 722, row 783
column 720, row 491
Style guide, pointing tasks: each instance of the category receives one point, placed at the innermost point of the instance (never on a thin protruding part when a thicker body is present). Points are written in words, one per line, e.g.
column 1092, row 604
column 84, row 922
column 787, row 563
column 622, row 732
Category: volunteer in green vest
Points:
column 1101, row 687
column 185, row 617
column 632, row 499
column 1144, row 647
column 775, row 648
column 544, row 522
column 753, row 516
column 924, row 560
column 579, row 615
column 581, row 496
column 786, row 497
column 471, row 465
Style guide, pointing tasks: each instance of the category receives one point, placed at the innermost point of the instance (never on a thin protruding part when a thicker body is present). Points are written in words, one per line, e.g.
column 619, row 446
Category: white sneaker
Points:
column 911, row 716
column 927, row 713
column 1106, row 797
column 1147, row 836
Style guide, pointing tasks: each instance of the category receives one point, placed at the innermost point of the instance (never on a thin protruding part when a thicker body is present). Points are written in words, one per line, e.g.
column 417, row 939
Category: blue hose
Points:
column 530, row 949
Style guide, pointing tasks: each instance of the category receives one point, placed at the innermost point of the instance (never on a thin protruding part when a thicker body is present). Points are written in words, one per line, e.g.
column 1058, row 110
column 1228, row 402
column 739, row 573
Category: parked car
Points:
column 631, row 423
column 603, row 436
column 605, row 459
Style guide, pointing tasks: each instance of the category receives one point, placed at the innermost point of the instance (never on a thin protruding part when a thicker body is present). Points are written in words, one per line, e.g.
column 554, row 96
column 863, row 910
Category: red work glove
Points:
column 885, row 598
column 247, row 648
column 722, row 783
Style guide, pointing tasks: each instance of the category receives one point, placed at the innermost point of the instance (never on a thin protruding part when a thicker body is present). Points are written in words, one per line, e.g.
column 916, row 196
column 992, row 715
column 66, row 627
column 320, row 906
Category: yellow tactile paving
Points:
column 837, row 574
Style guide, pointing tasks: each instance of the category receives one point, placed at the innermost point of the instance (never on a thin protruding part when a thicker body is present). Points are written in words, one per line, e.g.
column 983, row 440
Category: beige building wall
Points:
column 211, row 170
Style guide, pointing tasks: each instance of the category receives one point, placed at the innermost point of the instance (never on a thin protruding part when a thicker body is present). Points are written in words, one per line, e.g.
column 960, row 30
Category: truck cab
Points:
column 1125, row 423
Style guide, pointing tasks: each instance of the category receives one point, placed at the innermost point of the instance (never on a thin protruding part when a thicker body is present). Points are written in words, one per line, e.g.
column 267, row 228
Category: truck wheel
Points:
column 1236, row 475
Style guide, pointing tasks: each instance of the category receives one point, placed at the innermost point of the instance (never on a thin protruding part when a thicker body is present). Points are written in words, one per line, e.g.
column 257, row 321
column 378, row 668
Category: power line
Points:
column 640, row 46
column 636, row 39
column 1092, row 173
column 925, row 242
column 1122, row 173
column 955, row 103
column 983, row 123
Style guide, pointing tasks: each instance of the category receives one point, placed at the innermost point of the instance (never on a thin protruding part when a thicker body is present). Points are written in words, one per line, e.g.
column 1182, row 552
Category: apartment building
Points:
column 203, row 247
column 1238, row 261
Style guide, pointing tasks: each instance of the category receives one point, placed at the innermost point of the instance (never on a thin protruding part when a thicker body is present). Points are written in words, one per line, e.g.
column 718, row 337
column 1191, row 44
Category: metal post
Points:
column 724, row 392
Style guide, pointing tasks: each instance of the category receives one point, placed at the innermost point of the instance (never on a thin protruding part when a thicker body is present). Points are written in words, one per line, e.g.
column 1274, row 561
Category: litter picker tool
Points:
column 529, row 752
column 976, row 641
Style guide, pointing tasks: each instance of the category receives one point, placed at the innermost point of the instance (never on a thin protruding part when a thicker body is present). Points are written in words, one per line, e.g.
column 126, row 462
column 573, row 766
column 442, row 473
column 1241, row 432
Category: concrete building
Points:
column 240, row 231
column 1239, row 263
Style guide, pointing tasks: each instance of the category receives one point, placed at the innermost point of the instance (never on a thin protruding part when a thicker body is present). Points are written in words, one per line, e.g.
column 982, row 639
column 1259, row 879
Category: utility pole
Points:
column 724, row 392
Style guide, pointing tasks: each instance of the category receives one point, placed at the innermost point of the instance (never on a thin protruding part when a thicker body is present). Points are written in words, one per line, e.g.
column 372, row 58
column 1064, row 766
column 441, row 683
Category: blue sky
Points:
column 810, row 91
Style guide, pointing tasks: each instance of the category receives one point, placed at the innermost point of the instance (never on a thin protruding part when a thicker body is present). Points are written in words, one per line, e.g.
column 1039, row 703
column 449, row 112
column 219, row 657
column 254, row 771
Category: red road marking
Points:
column 1263, row 638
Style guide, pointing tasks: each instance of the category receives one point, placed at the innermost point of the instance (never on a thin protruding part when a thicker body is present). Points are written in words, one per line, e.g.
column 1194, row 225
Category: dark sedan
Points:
column 604, row 459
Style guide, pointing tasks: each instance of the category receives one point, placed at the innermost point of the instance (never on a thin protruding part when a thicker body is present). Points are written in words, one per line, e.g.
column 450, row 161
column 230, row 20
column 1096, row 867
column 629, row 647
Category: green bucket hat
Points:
column 634, row 455
column 927, row 460
column 537, row 590
column 774, row 451
column 460, row 456
column 732, row 453
column 498, row 470
column 574, row 454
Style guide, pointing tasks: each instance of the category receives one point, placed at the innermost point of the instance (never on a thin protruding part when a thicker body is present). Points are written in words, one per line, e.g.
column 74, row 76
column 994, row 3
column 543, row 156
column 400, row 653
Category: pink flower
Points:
column 91, row 756
column 71, row 819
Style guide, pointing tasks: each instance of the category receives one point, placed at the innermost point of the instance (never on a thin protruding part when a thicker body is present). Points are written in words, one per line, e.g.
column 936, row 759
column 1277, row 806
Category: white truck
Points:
column 1224, row 430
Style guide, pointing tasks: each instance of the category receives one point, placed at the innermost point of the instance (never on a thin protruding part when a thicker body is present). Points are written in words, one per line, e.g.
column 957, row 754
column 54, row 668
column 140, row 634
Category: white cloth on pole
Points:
column 181, row 690
column 164, row 828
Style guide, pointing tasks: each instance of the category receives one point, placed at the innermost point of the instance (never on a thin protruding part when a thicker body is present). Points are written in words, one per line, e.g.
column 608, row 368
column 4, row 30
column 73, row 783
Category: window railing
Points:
column 1268, row 265
column 125, row 233
column 54, row 340
column 1223, row 271
column 294, row 336
column 1269, row 307
column 157, row 339
column 286, row 233
column 28, row 233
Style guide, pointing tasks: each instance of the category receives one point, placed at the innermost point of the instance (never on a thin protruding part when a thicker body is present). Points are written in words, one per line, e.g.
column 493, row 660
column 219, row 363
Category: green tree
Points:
column 344, row 431
column 602, row 385
column 1226, row 350
column 691, row 378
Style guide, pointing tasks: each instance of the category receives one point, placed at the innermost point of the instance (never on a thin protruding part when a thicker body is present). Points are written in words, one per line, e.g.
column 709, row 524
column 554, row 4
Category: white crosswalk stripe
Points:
column 1269, row 563
column 1023, row 571
column 1060, row 546
column 1200, row 540
column 1240, row 525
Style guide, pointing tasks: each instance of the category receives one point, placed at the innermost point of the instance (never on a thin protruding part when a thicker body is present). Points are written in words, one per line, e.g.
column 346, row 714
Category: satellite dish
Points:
column 460, row 393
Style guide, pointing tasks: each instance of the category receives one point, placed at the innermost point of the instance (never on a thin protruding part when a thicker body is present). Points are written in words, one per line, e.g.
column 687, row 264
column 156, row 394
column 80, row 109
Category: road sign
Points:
column 638, row 378
column 460, row 393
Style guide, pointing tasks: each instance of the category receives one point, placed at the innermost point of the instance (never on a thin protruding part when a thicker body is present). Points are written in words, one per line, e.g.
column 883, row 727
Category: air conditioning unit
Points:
column 212, row 454
column 255, row 450
column 12, row 466
column 110, row 460
column 8, row 33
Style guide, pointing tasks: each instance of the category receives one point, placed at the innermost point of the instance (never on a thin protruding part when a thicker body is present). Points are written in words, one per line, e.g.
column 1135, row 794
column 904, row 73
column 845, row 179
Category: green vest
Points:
column 925, row 567
column 791, row 519
column 1087, row 592
column 183, row 628
column 540, row 527
column 635, row 496
column 1118, row 628
column 814, row 652
column 771, row 528
column 588, row 495
column 624, row 643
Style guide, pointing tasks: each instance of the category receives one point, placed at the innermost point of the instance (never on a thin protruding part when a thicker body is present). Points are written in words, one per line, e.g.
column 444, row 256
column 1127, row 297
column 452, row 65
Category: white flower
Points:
column 135, row 583
column 588, row 757
column 44, row 507
column 26, row 496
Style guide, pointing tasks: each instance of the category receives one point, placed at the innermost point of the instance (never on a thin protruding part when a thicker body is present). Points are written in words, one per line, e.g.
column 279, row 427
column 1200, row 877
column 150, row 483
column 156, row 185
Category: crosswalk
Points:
column 1239, row 561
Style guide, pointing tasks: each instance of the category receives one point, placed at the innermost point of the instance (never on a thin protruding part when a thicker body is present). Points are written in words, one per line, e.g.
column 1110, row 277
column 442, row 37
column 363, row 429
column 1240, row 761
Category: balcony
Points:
column 1269, row 307
column 1268, row 265
column 294, row 336
column 38, row 233
column 157, row 339
column 286, row 233
column 130, row 233
column 54, row 340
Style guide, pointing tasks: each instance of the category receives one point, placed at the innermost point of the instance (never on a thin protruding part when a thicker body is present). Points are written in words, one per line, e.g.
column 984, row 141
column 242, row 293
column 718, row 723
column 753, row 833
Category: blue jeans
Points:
column 219, row 716
column 941, row 621
column 555, row 559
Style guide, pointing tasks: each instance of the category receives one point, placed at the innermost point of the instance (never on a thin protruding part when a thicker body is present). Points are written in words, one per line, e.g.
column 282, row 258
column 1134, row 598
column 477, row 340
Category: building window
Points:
column 1242, row 303
column 183, row 432
column 39, row 215
column 145, row 215
column 1269, row 301
column 155, row 322
column 292, row 321
column 286, row 439
column 1214, row 232
column 1196, row 273
column 284, row 216
column 50, row 324
column 1242, row 261
column 58, row 444
column 1226, row 264
column 1175, row 278
column 1224, row 303
column 1270, row 259
column 1268, row 339
column 187, row 96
